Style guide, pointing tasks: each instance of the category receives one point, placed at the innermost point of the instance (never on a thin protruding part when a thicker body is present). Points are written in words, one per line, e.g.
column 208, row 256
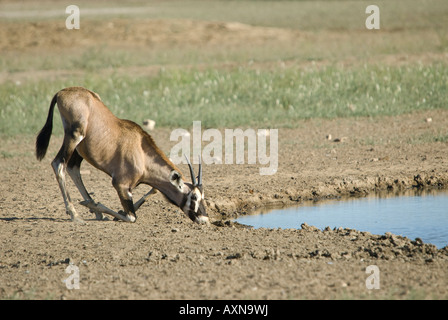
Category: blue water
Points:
column 422, row 216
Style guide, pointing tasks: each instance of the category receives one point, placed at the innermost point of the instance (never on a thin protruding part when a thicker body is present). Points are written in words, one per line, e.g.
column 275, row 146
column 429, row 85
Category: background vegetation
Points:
column 332, row 67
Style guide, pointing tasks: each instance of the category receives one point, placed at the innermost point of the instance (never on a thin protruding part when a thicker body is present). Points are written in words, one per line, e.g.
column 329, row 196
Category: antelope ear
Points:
column 176, row 179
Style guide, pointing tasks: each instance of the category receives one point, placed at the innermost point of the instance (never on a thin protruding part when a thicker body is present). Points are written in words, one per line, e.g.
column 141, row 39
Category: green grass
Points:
column 241, row 96
column 429, row 137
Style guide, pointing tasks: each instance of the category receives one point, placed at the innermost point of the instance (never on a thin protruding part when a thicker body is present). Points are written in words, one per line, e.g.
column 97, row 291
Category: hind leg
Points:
column 73, row 167
column 59, row 165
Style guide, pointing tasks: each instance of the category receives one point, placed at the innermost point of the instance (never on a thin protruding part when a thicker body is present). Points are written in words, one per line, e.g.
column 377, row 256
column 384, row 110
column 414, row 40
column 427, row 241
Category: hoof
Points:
column 127, row 217
column 71, row 211
column 78, row 220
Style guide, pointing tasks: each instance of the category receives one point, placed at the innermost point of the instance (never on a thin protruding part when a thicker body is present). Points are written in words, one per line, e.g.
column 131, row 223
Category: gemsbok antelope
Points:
column 120, row 148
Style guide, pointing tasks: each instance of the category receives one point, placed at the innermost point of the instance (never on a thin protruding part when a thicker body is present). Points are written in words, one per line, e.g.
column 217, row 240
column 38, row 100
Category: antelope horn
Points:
column 193, row 179
column 200, row 172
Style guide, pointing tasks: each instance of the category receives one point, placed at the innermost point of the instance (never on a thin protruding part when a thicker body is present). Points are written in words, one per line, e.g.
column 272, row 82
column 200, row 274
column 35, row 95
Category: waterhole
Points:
column 414, row 214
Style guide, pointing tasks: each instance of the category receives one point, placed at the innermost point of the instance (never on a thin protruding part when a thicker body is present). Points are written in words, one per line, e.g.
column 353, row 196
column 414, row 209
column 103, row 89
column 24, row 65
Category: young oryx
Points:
column 120, row 148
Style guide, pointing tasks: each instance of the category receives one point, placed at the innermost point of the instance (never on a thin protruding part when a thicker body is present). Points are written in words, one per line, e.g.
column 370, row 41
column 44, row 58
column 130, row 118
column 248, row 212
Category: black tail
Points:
column 43, row 138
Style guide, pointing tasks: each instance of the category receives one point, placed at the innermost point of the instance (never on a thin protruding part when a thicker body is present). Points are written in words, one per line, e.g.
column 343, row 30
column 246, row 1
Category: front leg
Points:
column 144, row 198
column 125, row 195
column 98, row 208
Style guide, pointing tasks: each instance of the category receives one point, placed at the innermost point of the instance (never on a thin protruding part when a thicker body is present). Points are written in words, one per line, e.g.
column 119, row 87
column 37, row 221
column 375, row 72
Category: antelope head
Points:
column 193, row 205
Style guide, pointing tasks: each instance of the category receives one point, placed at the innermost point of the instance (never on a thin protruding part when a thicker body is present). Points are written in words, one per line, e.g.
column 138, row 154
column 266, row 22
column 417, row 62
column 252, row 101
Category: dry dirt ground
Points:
column 165, row 256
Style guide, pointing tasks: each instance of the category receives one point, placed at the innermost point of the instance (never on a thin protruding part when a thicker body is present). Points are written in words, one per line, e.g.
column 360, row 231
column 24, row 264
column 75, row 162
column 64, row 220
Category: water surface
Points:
column 414, row 215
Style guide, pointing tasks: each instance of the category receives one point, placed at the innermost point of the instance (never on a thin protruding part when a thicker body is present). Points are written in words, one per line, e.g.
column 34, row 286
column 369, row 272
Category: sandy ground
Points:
column 165, row 256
